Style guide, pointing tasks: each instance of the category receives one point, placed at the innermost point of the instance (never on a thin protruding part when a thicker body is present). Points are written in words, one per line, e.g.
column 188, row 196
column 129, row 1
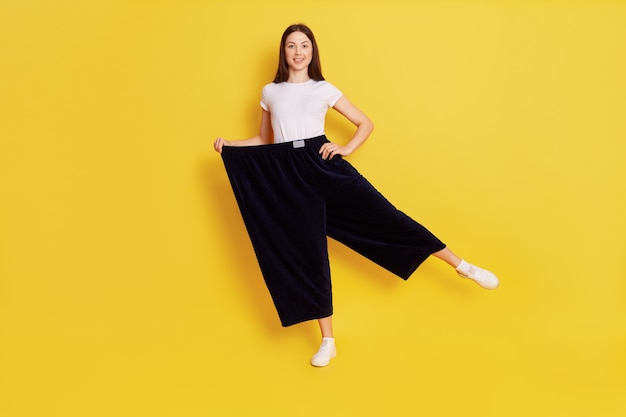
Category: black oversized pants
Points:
column 291, row 199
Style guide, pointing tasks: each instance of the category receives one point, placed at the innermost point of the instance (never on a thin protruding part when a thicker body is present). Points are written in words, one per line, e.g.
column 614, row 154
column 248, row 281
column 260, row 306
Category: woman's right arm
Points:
column 264, row 137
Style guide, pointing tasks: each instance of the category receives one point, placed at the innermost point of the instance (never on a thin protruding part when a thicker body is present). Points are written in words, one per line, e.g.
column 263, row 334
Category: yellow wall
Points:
column 128, row 286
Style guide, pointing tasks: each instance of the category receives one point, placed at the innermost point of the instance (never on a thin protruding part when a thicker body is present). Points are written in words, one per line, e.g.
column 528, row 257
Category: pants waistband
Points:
column 314, row 143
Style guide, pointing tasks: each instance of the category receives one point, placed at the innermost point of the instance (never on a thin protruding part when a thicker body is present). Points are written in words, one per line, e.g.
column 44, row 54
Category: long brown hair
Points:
column 315, row 67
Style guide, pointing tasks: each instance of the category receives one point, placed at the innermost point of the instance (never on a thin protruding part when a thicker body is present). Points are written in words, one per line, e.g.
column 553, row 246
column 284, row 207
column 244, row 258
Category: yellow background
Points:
column 128, row 286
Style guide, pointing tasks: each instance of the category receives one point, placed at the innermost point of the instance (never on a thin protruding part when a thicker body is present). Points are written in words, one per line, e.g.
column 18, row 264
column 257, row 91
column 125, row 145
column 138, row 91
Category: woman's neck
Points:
column 298, row 76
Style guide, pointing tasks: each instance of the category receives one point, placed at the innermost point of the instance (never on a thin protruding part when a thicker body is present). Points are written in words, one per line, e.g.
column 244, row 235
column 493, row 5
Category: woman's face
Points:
column 298, row 51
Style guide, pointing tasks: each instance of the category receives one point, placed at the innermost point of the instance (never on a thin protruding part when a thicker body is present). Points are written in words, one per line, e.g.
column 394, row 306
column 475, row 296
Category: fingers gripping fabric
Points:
column 290, row 199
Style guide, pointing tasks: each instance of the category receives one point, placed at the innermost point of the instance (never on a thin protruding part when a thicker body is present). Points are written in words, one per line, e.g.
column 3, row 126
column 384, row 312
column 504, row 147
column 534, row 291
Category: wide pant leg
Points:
column 363, row 219
column 285, row 217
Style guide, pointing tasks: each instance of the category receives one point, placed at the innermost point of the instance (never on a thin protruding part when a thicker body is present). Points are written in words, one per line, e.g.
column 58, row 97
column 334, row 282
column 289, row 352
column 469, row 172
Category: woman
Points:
column 297, row 189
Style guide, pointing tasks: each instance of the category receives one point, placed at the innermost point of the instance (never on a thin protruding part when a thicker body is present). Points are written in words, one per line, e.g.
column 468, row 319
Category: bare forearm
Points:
column 363, row 131
column 257, row 140
column 265, row 136
column 364, row 128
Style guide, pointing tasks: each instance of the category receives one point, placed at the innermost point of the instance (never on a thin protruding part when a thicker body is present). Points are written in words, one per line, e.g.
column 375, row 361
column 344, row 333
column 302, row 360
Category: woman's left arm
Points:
column 359, row 119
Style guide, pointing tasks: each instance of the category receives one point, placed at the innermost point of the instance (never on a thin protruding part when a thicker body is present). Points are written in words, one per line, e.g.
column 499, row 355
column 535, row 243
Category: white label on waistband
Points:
column 298, row 144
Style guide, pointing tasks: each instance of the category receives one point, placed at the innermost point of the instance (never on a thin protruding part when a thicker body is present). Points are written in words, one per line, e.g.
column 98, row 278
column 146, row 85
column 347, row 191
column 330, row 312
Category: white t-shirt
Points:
column 298, row 110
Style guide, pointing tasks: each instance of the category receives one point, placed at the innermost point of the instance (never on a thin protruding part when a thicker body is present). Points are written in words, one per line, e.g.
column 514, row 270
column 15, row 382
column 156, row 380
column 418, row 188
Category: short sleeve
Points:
column 264, row 102
column 333, row 94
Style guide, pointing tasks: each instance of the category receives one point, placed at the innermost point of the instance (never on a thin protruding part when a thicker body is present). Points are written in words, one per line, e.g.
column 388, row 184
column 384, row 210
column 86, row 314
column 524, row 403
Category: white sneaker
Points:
column 326, row 352
column 482, row 277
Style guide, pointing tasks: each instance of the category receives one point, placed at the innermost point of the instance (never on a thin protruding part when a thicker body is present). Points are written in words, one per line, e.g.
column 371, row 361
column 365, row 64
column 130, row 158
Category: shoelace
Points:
column 476, row 274
column 324, row 349
column 482, row 277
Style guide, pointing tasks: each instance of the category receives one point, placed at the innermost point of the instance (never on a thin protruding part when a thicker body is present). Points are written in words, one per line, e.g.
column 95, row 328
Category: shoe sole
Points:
column 323, row 364
column 479, row 284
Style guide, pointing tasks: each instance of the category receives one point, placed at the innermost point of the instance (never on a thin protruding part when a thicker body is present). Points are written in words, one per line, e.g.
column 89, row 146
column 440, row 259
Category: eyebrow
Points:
column 297, row 42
